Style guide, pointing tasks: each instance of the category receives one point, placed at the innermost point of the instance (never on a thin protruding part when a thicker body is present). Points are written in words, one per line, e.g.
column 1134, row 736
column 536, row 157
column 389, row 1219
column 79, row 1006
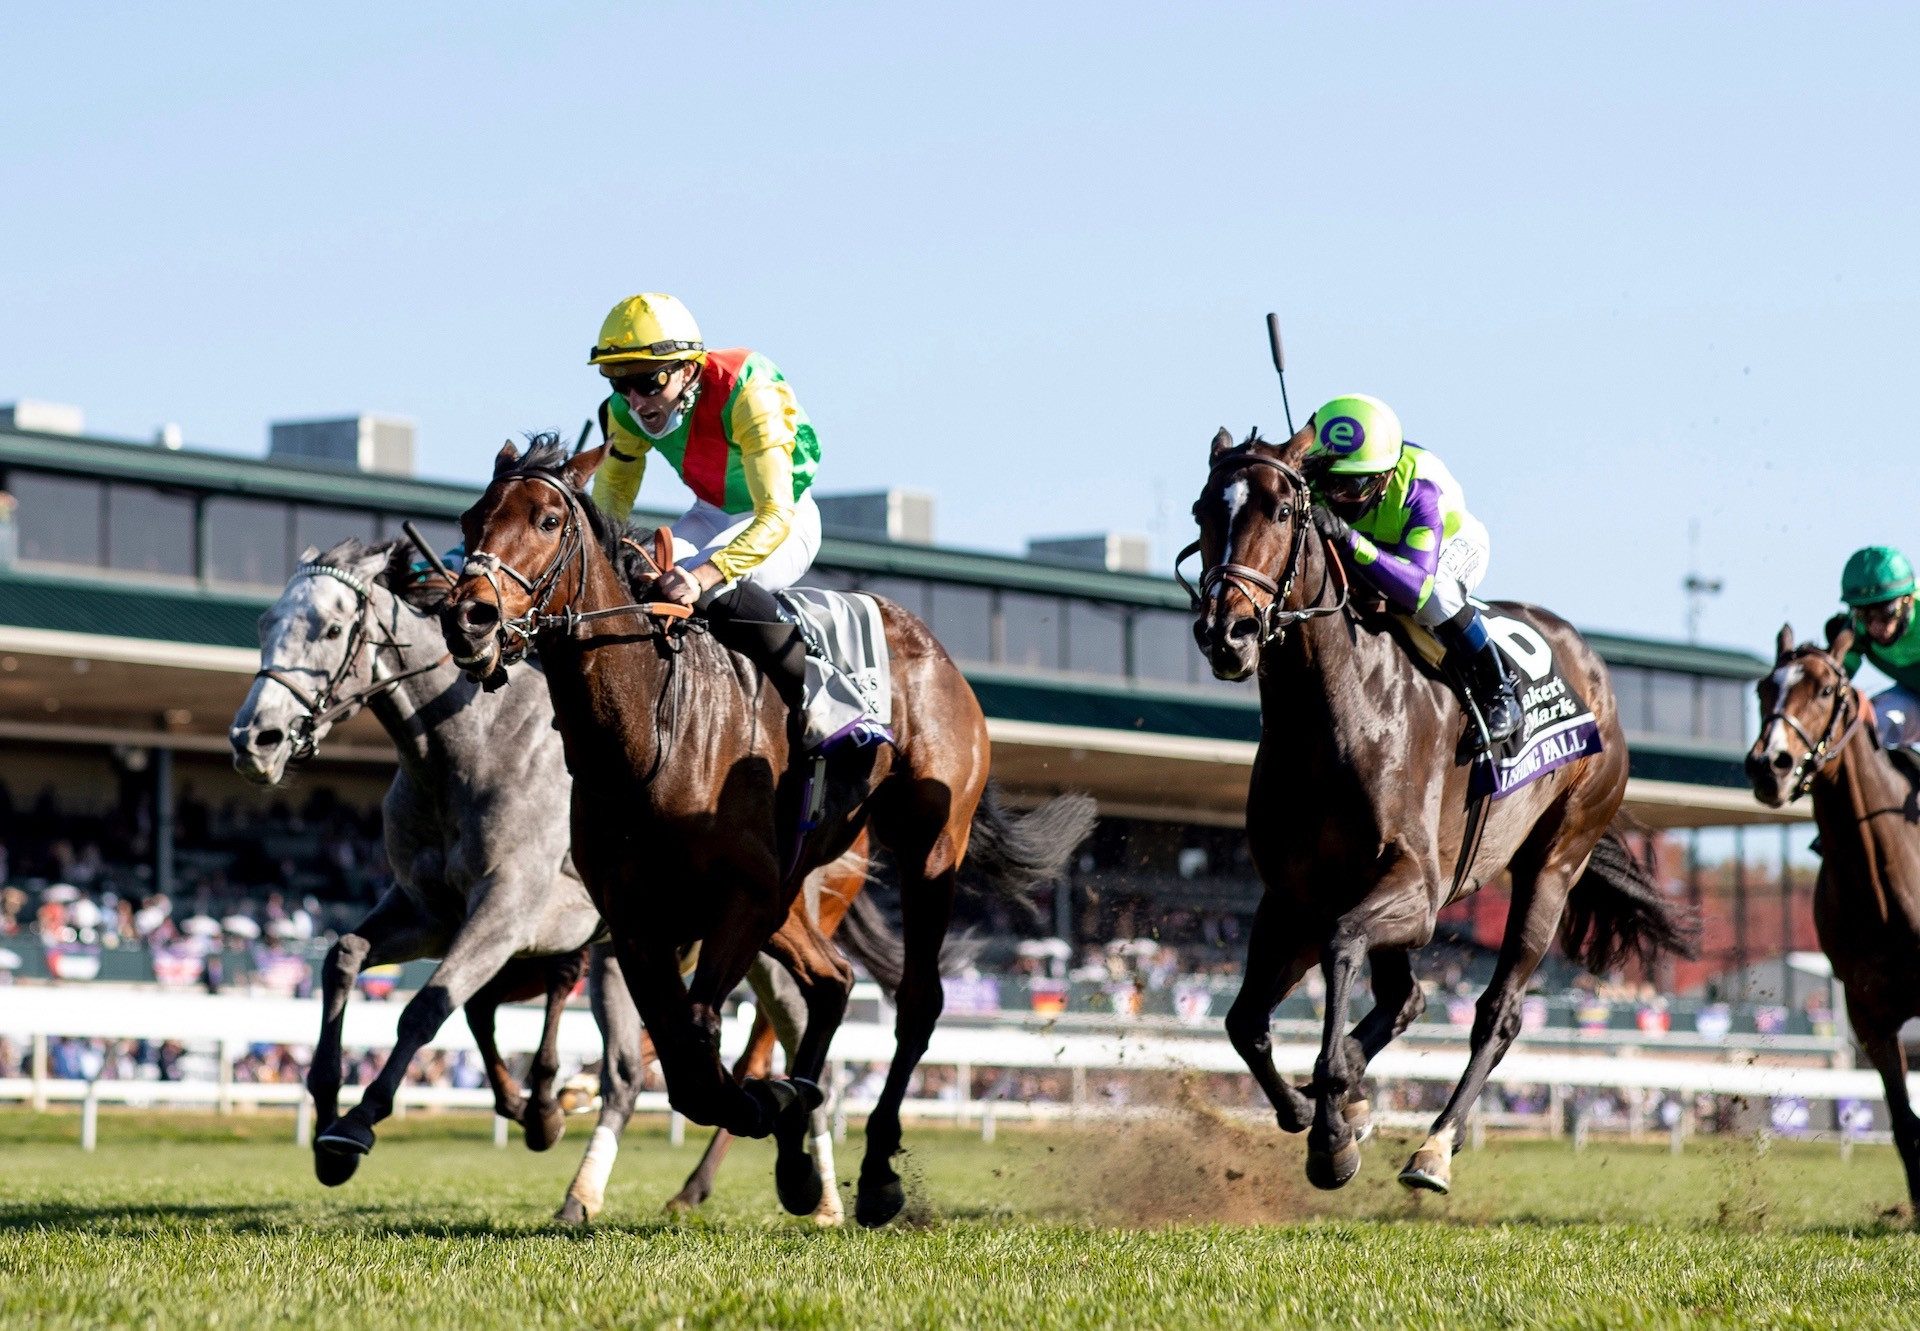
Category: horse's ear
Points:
column 1222, row 441
column 1295, row 451
column 581, row 466
column 663, row 548
column 1783, row 645
column 504, row 460
column 308, row 555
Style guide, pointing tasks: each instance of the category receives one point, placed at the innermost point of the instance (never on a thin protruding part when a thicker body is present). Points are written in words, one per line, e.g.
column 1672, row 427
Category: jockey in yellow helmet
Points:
column 727, row 421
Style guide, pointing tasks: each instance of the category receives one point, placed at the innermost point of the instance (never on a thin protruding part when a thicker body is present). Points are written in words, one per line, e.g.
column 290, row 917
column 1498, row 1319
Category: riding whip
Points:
column 1280, row 366
column 586, row 428
column 433, row 556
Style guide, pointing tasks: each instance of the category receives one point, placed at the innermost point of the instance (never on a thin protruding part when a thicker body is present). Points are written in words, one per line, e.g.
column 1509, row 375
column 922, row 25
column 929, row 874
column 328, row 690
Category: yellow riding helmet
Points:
column 651, row 326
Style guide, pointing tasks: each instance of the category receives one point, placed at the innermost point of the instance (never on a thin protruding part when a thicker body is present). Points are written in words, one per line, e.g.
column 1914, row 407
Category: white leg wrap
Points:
column 828, row 1212
column 590, row 1181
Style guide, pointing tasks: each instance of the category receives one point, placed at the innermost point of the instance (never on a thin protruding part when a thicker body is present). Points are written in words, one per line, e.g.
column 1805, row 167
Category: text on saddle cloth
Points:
column 1559, row 726
column 849, row 667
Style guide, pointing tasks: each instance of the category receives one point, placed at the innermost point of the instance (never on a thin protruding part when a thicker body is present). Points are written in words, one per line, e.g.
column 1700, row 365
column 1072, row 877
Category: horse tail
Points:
column 1012, row 858
column 1617, row 911
column 867, row 935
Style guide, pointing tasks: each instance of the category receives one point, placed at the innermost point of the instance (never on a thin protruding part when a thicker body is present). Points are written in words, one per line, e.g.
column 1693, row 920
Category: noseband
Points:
column 1273, row 618
column 1827, row 749
column 536, row 619
column 328, row 704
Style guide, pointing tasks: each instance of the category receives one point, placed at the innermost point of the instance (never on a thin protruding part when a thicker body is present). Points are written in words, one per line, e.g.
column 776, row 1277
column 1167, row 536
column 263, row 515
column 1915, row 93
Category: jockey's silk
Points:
column 1396, row 544
column 1899, row 661
column 744, row 447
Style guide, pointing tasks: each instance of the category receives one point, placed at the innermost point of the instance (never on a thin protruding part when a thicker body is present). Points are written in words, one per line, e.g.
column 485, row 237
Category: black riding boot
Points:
column 1478, row 662
column 746, row 618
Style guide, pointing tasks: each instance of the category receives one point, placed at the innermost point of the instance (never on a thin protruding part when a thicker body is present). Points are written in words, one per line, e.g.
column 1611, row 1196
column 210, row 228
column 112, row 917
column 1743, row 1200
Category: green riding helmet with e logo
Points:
column 1357, row 435
column 1877, row 574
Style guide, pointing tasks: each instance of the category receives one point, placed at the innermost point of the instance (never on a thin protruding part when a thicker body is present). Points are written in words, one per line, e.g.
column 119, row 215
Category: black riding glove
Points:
column 1331, row 525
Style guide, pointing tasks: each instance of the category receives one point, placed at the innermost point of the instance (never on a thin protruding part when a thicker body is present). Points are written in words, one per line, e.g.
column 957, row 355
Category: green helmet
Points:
column 1357, row 435
column 1875, row 574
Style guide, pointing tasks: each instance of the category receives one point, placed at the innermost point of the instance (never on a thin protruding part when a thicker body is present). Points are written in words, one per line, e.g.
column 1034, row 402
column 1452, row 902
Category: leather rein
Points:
column 1273, row 618
column 328, row 704
column 524, row 628
column 1827, row 749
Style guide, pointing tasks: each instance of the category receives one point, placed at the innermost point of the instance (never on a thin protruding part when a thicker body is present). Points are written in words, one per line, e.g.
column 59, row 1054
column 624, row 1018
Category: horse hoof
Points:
column 572, row 1212
column 544, row 1126
column 797, row 1180
column 878, row 1201
column 678, row 1204
column 1359, row 1117
column 1428, row 1172
column 333, row 1168
column 346, row 1136
column 1330, row 1171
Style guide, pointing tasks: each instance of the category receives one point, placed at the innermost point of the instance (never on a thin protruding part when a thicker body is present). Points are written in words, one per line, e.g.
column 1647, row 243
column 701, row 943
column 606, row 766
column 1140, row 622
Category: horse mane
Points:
column 547, row 455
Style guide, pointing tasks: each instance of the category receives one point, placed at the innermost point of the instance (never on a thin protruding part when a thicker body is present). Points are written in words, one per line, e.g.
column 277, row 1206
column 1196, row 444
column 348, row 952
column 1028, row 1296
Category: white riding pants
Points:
column 1898, row 714
column 1463, row 562
column 706, row 529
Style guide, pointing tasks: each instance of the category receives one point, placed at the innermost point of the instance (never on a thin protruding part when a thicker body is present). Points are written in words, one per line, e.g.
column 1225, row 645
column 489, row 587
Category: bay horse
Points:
column 1358, row 812
column 476, row 838
column 679, row 754
column 1818, row 738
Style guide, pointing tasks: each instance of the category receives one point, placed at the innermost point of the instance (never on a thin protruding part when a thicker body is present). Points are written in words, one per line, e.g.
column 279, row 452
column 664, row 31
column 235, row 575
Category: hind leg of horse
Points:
column 755, row 1061
column 544, row 1121
column 1532, row 917
column 1398, row 1003
column 622, row 1070
column 1276, row 959
column 523, row 977
column 926, row 898
column 475, row 956
column 1880, row 1038
column 395, row 930
column 824, row 980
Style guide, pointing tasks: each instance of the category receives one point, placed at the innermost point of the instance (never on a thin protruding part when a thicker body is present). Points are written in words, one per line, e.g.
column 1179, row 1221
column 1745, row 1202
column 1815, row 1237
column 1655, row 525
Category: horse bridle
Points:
column 536, row 619
column 1274, row 618
column 328, row 705
column 1827, row 749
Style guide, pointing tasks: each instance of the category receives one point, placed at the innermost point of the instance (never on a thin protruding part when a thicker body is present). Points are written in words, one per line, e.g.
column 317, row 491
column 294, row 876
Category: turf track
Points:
column 185, row 1220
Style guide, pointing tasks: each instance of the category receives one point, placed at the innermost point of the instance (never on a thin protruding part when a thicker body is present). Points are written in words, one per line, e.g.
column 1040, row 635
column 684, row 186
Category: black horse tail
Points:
column 1012, row 858
column 1617, row 911
column 868, row 936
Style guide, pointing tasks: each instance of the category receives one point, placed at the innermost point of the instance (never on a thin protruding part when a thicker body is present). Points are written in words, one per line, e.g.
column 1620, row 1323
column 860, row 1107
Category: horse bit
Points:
column 536, row 619
column 327, row 706
column 1827, row 749
column 1274, row 619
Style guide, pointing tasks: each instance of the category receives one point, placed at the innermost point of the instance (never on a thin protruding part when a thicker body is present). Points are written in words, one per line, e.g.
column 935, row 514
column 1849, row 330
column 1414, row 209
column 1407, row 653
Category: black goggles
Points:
column 646, row 383
column 1348, row 489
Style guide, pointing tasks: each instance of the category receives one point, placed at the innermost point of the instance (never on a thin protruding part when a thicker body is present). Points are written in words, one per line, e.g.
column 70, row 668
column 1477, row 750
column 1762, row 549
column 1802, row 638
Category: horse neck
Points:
column 1860, row 805
column 1320, row 658
column 426, row 738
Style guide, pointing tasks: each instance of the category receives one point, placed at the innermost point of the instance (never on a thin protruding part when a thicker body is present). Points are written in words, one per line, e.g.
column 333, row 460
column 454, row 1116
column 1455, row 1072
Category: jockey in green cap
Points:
column 1398, row 514
column 1878, row 587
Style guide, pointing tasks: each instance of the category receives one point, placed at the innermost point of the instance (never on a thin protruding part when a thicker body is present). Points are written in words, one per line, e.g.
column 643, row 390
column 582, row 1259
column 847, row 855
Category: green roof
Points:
column 224, row 473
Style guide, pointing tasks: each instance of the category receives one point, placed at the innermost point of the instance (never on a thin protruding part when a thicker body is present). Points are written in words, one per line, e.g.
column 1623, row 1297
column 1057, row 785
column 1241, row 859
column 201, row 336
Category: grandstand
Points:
column 131, row 576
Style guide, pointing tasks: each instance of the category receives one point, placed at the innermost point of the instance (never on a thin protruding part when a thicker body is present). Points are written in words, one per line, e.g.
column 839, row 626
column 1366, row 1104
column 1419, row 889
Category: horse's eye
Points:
column 551, row 522
column 334, row 630
column 1827, row 692
column 1286, row 512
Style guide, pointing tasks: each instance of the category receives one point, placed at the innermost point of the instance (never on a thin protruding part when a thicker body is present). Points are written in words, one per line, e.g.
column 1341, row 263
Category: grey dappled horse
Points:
column 476, row 825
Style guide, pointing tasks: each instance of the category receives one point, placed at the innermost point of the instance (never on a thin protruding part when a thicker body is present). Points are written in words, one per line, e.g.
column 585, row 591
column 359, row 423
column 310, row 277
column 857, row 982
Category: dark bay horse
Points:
column 477, row 841
column 679, row 754
column 1357, row 814
column 1817, row 737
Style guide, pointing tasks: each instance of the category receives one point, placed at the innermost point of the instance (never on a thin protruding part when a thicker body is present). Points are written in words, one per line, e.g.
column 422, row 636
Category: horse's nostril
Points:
column 478, row 616
column 1782, row 762
column 1242, row 629
column 266, row 741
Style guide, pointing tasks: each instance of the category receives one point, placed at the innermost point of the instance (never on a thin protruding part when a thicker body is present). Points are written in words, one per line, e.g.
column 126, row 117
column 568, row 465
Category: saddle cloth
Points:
column 1559, row 726
column 849, row 670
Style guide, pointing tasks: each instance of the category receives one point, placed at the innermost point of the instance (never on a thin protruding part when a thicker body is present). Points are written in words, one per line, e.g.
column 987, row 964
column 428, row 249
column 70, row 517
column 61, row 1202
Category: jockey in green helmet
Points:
column 1878, row 587
column 1399, row 516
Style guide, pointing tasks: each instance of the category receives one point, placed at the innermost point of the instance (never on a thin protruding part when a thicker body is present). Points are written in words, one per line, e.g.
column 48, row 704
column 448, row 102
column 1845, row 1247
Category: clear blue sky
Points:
column 1623, row 266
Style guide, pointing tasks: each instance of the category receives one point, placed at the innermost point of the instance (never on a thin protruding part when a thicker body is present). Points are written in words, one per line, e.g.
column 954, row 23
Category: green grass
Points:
column 183, row 1219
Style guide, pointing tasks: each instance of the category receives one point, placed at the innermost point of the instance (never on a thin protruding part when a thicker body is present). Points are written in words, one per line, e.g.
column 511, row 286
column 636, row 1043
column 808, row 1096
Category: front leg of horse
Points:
column 1333, row 1147
column 1276, row 960
column 544, row 1121
column 825, row 981
column 686, row 1035
column 1880, row 1039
